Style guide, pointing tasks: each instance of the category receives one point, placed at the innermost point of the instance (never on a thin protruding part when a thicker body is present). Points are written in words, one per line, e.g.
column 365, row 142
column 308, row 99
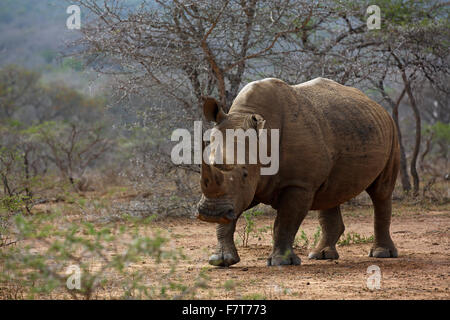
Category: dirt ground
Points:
column 420, row 272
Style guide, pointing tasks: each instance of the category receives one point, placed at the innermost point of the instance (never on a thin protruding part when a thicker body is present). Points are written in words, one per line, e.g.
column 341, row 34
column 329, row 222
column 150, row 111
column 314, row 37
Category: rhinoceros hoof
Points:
column 223, row 259
column 382, row 252
column 324, row 254
column 283, row 260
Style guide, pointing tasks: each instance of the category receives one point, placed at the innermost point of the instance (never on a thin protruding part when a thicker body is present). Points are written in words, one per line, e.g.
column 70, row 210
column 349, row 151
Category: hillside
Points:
column 33, row 33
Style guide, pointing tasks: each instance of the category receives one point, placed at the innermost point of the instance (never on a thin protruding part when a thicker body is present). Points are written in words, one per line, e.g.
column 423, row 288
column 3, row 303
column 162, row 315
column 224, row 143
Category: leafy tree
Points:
column 18, row 87
column 22, row 164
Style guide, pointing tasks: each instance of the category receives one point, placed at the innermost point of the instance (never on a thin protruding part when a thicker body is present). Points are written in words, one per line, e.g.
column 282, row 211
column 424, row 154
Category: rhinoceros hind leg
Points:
column 381, row 194
column 332, row 228
column 383, row 246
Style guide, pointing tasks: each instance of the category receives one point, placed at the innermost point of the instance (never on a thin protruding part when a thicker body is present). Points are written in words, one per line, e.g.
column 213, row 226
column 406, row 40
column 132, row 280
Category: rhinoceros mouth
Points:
column 216, row 219
column 217, row 212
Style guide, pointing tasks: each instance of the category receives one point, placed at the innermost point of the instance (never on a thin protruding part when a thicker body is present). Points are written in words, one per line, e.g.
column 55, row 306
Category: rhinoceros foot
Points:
column 223, row 259
column 383, row 252
column 324, row 253
column 289, row 258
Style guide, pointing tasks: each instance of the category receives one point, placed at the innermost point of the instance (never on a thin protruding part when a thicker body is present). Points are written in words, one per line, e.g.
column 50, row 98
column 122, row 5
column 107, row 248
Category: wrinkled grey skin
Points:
column 335, row 142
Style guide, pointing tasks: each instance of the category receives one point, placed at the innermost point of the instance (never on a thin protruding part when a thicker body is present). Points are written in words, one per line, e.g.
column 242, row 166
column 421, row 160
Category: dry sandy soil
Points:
column 420, row 272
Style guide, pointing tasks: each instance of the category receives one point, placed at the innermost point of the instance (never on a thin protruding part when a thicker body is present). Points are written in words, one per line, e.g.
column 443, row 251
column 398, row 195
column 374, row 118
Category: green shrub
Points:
column 49, row 246
column 354, row 238
column 249, row 226
column 304, row 242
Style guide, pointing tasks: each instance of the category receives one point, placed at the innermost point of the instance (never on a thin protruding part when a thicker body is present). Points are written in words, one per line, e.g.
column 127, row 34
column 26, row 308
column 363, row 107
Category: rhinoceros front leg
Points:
column 226, row 253
column 293, row 207
column 332, row 227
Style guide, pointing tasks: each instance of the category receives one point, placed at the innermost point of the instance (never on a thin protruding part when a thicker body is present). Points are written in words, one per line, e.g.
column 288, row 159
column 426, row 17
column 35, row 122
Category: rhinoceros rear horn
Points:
column 212, row 110
column 211, row 177
column 205, row 167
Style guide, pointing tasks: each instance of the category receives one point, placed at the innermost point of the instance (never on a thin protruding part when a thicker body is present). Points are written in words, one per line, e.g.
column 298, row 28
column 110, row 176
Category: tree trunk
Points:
column 413, row 104
column 404, row 176
column 426, row 151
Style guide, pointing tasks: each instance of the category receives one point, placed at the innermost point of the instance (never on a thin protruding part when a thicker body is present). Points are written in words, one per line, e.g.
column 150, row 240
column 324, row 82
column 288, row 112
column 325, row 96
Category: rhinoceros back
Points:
column 333, row 138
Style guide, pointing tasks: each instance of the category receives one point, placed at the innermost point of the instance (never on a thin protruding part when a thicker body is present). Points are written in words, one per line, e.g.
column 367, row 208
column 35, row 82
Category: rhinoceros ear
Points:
column 212, row 110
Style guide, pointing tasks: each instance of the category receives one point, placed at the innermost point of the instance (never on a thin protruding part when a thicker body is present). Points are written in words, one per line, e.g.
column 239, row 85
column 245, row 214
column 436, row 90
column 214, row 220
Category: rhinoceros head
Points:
column 228, row 189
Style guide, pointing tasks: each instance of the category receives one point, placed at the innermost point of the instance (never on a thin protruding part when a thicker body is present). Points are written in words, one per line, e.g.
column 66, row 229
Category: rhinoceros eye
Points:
column 245, row 173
